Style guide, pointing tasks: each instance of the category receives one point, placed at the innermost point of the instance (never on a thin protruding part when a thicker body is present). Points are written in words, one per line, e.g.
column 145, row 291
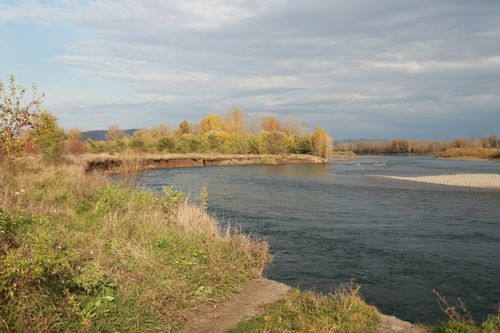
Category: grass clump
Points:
column 79, row 254
column 342, row 311
column 491, row 325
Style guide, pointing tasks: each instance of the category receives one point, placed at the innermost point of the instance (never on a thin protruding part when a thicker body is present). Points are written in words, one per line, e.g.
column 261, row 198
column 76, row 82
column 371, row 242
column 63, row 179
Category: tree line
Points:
column 414, row 147
column 233, row 132
column 26, row 128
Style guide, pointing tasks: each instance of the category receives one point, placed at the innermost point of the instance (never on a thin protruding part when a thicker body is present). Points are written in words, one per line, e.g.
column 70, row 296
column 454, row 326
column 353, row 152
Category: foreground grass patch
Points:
column 342, row 311
column 79, row 254
column 491, row 325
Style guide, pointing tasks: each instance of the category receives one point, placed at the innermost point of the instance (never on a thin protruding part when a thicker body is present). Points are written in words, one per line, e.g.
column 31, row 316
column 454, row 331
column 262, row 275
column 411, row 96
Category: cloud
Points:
column 317, row 60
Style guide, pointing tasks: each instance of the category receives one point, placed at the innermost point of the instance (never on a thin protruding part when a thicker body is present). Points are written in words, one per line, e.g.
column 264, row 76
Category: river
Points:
column 330, row 224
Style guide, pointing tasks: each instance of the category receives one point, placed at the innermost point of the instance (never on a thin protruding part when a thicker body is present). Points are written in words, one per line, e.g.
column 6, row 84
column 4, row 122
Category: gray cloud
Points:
column 364, row 69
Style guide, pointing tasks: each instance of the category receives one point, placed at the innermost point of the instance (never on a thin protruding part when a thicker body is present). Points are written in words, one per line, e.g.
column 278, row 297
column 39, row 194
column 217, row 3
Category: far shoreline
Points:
column 120, row 163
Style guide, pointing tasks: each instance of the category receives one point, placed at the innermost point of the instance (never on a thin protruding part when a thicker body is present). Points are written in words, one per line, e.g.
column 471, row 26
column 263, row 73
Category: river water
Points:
column 330, row 224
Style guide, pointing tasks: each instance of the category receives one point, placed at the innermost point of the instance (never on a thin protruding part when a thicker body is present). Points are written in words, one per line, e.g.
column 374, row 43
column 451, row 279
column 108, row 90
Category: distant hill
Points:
column 100, row 135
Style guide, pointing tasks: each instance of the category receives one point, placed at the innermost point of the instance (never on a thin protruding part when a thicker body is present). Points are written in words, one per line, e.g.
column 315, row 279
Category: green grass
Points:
column 491, row 325
column 343, row 311
column 78, row 254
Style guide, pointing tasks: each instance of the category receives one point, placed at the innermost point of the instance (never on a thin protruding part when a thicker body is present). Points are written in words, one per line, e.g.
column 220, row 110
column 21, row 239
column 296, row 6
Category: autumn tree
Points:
column 160, row 131
column 275, row 142
column 114, row 133
column 270, row 124
column 210, row 123
column 322, row 143
column 74, row 144
column 17, row 116
column 234, row 122
column 290, row 127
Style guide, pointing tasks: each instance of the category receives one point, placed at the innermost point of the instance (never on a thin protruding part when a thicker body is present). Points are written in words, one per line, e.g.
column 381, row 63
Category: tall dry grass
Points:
column 86, row 254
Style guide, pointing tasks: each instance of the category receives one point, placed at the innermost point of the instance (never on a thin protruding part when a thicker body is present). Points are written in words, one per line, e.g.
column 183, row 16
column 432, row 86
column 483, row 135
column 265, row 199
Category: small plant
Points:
column 203, row 197
column 455, row 313
column 460, row 319
column 172, row 199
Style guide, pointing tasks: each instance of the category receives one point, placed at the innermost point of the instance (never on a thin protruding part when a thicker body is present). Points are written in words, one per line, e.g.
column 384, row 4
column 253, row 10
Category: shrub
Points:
column 171, row 199
column 49, row 137
column 188, row 143
column 214, row 140
column 275, row 143
column 254, row 145
column 74, row 143
column 166, row 143
column 237, row 144
column 304, row 145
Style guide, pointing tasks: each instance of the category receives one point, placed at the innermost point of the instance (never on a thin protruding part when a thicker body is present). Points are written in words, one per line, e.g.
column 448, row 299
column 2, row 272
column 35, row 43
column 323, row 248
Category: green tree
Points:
column 304, row 145
column 188, row 143
column 237, row 144
column 184, row 127
column 275, row 143
column 254, row 145
column 166, row 143
column 214, row 140
column 49, row 137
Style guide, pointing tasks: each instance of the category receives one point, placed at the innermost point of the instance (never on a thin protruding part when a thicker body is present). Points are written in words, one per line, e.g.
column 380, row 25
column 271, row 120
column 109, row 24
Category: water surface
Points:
column 329, row 224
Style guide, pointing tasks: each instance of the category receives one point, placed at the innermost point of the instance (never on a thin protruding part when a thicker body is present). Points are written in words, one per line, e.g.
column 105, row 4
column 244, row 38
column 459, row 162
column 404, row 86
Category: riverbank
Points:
column 486, row 181
column 113, row 163
column 80, row 253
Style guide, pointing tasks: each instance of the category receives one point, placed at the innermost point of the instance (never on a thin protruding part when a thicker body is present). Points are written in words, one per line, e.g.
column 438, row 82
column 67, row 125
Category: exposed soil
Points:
column 248, row 303
column 391, row 324
column 114, row 163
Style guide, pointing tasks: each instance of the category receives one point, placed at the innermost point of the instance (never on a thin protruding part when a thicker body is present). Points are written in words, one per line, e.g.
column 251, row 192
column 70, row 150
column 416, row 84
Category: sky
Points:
column 420, row 69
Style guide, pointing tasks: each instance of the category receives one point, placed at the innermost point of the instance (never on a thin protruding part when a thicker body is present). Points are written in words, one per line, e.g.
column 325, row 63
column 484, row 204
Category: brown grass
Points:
column 99, row 256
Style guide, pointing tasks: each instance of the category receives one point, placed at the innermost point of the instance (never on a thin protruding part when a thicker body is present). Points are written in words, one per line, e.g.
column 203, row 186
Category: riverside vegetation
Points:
column 79, row 253
column 487, row 147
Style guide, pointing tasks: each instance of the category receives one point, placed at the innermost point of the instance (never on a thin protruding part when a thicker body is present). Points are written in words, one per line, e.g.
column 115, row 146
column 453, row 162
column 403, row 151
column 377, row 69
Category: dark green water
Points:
column 330, row 224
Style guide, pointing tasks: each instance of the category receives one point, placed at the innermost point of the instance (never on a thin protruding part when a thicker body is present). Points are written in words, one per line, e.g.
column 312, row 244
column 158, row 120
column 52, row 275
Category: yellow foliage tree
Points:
column 322, row 143
column 234, row 122
column 210, row 123
column 270, row 124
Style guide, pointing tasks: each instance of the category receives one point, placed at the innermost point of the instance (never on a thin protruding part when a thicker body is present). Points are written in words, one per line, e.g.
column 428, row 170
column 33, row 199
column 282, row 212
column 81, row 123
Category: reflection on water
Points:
column 329, row 224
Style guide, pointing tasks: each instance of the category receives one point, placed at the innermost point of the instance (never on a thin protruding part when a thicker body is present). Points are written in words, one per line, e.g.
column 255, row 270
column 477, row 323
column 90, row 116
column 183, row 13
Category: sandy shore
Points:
column 491, row 181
